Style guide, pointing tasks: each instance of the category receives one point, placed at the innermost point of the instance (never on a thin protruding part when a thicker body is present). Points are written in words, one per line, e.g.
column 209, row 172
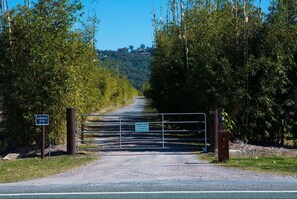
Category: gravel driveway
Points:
column 152, row 171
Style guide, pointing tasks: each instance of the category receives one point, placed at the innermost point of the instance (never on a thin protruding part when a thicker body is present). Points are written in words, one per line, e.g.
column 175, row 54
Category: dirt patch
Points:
column 34, row 151
column 237, row 149
column 240, row 148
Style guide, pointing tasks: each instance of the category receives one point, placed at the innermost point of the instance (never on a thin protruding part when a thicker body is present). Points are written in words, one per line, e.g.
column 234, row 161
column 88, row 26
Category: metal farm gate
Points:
column 151, row 131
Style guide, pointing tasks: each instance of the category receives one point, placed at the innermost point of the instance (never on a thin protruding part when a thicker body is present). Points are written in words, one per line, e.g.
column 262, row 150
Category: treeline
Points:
column 46, row 65
column 229, row 54
column 129, row 62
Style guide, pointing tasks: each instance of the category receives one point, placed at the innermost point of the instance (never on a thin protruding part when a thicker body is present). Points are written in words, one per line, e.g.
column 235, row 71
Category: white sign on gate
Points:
column 142, row 127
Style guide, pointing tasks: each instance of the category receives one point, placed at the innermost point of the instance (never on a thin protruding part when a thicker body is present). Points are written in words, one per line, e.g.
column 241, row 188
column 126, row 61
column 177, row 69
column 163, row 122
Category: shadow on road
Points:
column 162, row 133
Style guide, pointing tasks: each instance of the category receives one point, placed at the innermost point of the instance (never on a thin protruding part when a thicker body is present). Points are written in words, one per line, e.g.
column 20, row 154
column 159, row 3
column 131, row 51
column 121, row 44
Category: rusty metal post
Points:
column 223, row 148
column 223, row 139
column 71, row 130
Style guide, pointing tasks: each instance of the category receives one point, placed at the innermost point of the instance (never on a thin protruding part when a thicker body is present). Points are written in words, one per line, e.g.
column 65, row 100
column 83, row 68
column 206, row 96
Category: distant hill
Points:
column 135, row 64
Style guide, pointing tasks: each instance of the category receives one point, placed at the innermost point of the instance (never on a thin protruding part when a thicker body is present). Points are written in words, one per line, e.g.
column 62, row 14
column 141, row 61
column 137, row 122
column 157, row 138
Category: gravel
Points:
column 128, row 167
column 239, row 148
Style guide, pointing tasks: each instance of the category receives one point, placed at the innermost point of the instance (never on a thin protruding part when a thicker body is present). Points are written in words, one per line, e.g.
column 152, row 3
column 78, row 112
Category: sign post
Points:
column 42, row 120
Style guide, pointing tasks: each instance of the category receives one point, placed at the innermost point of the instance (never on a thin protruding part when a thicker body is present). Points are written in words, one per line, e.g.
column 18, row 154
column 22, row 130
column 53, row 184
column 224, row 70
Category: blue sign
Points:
column 42, row 119
column 142, row 127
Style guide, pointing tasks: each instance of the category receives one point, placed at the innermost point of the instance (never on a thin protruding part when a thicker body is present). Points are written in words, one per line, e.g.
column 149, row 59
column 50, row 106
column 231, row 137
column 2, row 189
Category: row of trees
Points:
column 229, row 54
column 47, row 65
column 135, row 64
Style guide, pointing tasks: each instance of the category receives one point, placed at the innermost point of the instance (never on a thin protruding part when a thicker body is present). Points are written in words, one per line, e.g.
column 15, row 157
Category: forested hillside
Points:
column 135, row 64
column 46, row 66
column 229, row 54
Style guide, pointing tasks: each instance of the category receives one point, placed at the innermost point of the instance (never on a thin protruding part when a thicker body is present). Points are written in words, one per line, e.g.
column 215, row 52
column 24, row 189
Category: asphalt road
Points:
column 157, row 195
column 153, row 174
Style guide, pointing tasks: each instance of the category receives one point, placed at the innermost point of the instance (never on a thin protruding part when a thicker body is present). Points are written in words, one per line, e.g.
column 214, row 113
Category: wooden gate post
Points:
column 213, row 130
column 71, row 130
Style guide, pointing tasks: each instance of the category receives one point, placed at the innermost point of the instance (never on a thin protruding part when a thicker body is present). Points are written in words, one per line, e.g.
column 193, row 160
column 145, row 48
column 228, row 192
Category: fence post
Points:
column 216, row 129
column 223, row 139
column 213, row 130
column 212, row 137
column 71, row 129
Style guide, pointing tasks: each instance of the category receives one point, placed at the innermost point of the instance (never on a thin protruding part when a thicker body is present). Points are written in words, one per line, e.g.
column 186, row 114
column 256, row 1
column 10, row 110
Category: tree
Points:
column 142, row 47
column 134, row 65
column 131, row 48
column 50, row 66
column 224, row 55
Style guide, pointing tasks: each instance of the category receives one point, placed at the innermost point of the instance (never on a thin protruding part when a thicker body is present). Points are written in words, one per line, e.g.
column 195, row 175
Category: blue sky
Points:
column 124, row 22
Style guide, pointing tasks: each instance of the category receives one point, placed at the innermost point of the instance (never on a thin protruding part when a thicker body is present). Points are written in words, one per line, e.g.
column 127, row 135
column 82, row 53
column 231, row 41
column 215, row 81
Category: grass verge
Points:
column 31, row 168
column 274, row 164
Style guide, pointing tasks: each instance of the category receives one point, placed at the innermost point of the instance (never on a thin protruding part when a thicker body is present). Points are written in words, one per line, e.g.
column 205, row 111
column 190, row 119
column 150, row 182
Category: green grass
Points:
column 31, row 168
column 280, row 165
column 89, row 146
column 273, row 164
